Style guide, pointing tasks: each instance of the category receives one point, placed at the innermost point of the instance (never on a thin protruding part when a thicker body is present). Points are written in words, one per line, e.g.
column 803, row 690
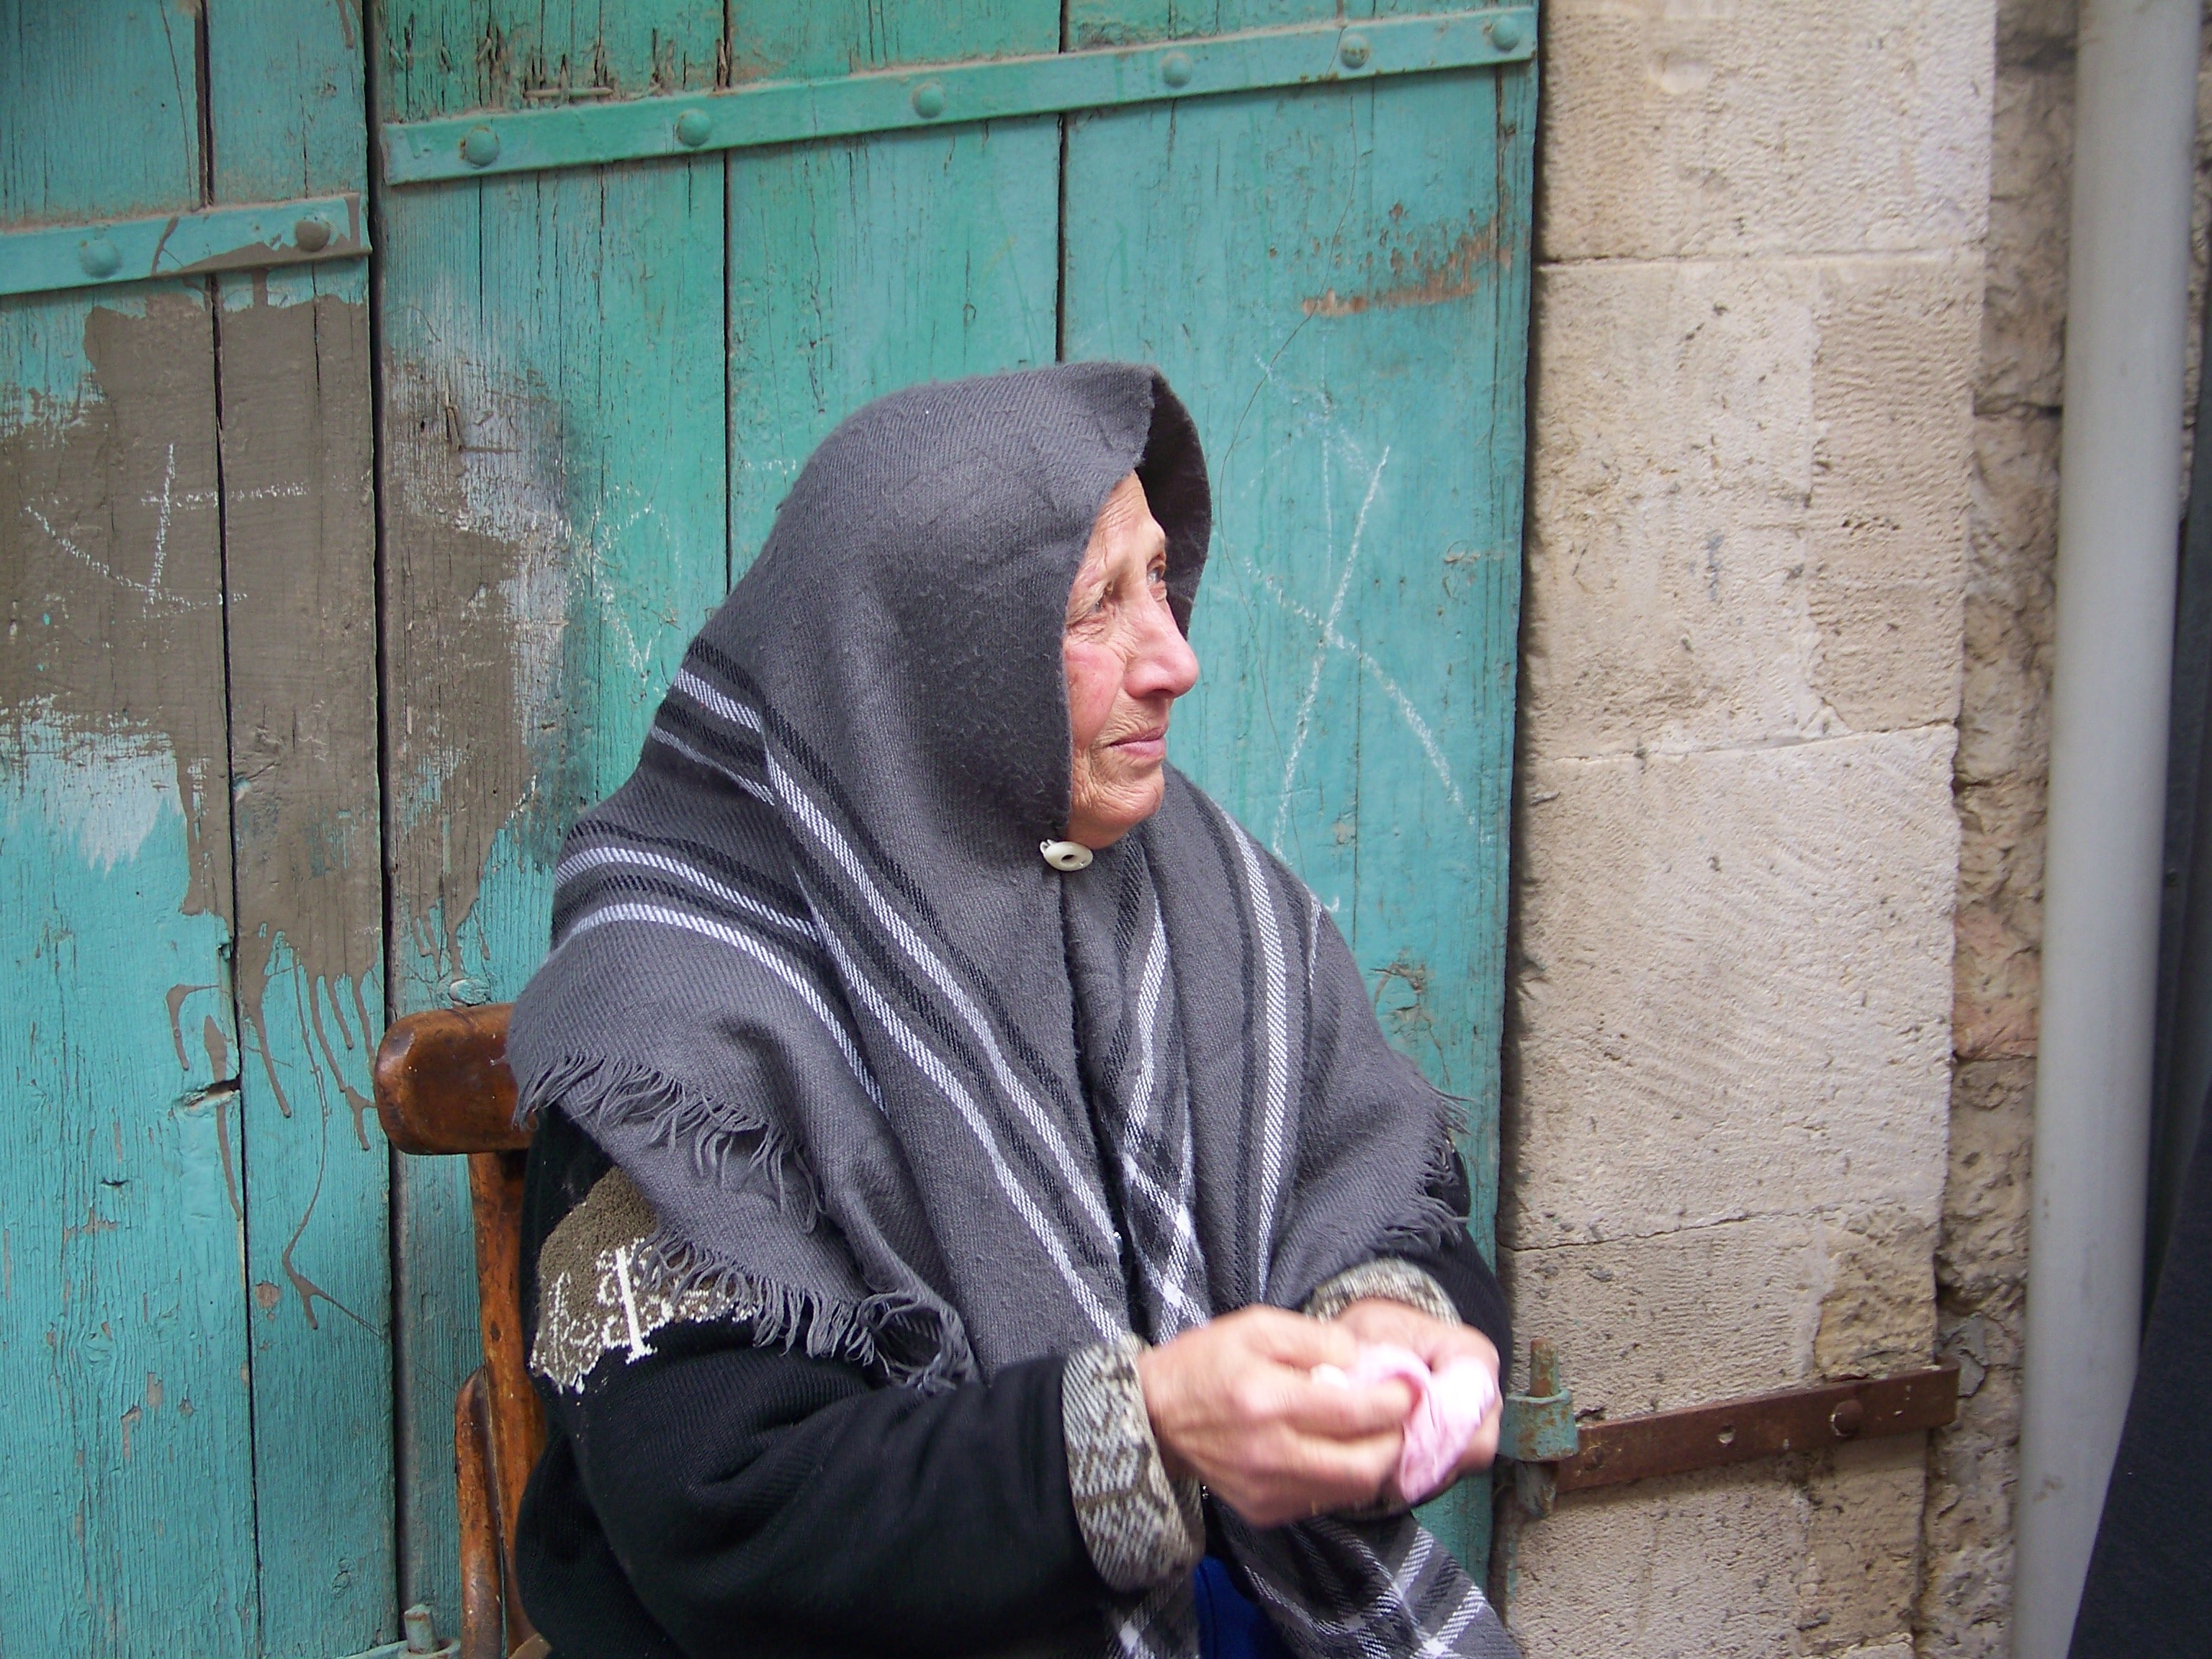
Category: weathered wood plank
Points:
column 285, row 101
column 441, row 57
column 99, row 112
column 285, row 90
column 554, row 467
column 301, row 561
column 1336, row 279
column 858, row 266
column 125, row 1444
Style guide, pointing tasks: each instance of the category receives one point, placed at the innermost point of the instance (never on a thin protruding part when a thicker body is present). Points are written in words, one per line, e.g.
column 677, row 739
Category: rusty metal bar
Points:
column 1760, row 1426
column 45, row 258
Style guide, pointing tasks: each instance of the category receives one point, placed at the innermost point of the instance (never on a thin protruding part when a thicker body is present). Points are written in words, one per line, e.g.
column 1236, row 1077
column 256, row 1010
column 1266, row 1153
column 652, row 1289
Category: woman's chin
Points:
column 1115, row 811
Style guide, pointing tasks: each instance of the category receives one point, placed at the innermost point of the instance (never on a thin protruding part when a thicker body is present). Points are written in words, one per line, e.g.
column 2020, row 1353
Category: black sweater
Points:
column 718, row 1498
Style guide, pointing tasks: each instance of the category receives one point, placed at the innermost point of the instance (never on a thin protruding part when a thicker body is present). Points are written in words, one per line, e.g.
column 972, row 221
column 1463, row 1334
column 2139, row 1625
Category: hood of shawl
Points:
column 904, row 617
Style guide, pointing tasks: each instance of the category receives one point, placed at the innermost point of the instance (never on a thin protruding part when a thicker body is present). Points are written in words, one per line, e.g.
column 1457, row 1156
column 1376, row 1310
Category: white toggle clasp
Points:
column 1065, row 855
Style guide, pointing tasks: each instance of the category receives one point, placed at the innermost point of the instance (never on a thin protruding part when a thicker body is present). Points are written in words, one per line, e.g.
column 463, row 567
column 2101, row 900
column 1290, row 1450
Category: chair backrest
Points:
column 443, row 1090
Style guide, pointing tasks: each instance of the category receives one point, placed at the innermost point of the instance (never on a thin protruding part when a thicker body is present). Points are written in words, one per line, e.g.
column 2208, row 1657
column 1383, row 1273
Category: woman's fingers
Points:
column 1280, row 1385
column 1376, row 1319
column 1337, row 1411
column 1290, row 1339
column 1234, row 1402
column 1482, row 1450
column 1316, row 1477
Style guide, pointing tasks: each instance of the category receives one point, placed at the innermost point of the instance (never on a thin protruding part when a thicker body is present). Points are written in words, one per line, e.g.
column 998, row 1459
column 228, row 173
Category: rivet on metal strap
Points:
column 1175, row 68
column 1352, row 50
column 693, row 128
column 311, row 235
column 480, row 147
column 1506, row 34
column 929, row 101
column 99, row 257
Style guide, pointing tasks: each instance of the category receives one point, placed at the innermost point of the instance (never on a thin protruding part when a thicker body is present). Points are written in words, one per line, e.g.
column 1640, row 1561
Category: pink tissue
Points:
column 1448, row 1406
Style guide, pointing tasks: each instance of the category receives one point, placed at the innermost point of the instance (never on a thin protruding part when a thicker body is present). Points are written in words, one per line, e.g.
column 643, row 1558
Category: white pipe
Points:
column 2119, row 507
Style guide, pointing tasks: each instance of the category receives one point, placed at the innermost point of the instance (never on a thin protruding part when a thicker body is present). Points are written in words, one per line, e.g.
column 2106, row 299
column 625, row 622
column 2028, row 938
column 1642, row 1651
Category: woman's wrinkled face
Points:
column 1127, row 663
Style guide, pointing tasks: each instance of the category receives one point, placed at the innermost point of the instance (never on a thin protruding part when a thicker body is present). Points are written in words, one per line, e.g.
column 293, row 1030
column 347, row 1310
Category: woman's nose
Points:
column 1163, row 664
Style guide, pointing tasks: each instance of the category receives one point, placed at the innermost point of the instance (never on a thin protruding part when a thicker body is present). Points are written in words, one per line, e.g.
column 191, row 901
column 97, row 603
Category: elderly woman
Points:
column 970, row 1183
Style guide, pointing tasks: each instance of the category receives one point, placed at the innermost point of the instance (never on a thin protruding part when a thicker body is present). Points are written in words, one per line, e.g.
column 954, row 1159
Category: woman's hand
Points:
column 1233, row 1403
column 1375, row 1319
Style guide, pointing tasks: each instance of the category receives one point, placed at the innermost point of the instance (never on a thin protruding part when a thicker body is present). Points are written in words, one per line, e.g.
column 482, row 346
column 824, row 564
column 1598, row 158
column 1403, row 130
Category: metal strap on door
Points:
column 591, row 134
column 258, row 237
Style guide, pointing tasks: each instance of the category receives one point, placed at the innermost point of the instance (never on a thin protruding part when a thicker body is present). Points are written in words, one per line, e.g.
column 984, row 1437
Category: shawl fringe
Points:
column 1423, row 1229
column 1429, row 1221
column 900, row 1337
column 909, row 1344
column 727, row 1145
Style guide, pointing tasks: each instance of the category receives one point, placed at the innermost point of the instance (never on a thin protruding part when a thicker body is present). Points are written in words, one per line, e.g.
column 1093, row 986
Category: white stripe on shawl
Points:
column 938, row 1073
column 714, row 701
column 1132, row 1626
column 592, row 858
column 1172, row 1280
column 1275, row 1072
column 1393, row 1602
column 1361, row 1627
column 1082, row 1178
column 803, row 808
column 756, row 790
column 660, row 916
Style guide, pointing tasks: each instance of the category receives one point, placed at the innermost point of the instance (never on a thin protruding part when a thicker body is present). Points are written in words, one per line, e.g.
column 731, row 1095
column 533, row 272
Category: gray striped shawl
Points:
column 935, row 1107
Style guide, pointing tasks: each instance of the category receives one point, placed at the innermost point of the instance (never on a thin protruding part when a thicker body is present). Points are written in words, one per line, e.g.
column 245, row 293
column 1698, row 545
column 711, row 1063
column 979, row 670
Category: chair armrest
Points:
column 442, row 1085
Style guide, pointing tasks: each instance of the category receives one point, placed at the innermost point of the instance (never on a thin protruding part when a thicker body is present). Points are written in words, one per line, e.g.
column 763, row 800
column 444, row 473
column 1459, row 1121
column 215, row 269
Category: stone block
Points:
column 1709, row 1313
column 1998, row 972
column 2031, row 32
column 1862, row 1565
column 1783, row 556
column 1786, row 1556
column 2012, row 542
column 1887, row 515
column 1878, row 1305
column 1986, row 1197
column 1698, row 1566
column 1733, row 990
column 1682, row 1319
column 1966, row 1595
column 1676, row 127
column 2024, row 307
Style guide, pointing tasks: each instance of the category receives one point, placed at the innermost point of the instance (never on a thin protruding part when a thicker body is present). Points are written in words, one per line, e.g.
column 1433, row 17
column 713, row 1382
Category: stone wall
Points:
column 2003, row 757
column 1759, row 344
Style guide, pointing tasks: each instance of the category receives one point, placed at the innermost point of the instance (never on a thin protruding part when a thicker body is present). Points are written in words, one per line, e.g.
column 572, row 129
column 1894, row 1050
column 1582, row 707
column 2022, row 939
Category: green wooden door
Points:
column 604, row 367
column 195, row 1302
column 291, row 735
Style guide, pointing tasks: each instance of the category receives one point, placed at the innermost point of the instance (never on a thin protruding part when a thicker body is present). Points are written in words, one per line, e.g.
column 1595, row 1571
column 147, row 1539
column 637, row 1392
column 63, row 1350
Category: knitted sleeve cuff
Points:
column 1141, row 1528
column 1387, row 1277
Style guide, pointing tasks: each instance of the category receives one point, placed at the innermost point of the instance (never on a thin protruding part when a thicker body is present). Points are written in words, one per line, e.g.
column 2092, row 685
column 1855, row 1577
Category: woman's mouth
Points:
column 1144, row 747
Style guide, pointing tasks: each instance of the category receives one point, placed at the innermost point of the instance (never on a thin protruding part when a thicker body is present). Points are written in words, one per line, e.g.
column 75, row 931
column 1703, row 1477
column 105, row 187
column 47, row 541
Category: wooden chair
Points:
column 443, row 1090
